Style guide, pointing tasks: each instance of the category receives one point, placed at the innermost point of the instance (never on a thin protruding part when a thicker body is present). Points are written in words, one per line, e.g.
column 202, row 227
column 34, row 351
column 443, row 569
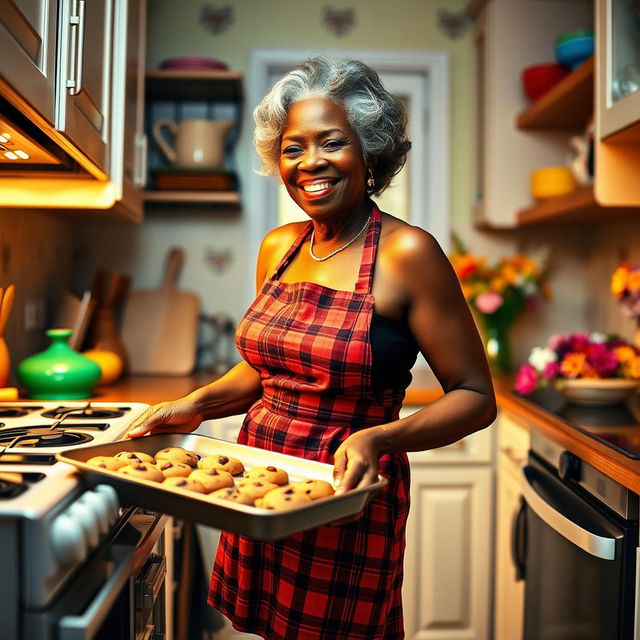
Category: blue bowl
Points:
column 572, row 53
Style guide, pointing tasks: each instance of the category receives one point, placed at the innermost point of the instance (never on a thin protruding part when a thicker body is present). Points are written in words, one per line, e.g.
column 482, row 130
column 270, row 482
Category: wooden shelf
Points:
column 568, row 105
column 194, row 85
column 578, row 206
column 229, row 198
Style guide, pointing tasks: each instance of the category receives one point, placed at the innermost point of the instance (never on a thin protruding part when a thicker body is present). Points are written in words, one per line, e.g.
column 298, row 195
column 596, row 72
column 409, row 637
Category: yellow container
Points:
column 550, row 182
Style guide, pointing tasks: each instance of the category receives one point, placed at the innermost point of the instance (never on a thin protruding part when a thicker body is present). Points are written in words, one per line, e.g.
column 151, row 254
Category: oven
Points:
column 76, row 563
column 575, row 543
column 119, row 593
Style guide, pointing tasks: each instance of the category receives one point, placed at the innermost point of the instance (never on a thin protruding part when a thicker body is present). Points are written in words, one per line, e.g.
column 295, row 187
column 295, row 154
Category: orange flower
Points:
column 632, row 368
column 573, row 364
column 497, row 284
column 465, row 265
column 589, row 372
column 619, row 280
column 467, row 290
column 624, row 354
column 633, row 281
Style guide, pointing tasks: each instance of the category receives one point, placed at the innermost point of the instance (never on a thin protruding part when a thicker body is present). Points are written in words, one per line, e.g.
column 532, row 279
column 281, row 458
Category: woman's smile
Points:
column 321, row 161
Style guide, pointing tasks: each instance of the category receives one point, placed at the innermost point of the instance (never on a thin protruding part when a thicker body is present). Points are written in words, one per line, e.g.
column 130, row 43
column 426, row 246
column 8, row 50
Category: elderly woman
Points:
column 345, row 302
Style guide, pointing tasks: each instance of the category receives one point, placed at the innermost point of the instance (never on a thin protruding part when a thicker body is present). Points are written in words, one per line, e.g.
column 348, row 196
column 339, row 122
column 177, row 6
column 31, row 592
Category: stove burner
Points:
column 10, row 490
column 41, row 437
column 88, row 412
column 16, row 412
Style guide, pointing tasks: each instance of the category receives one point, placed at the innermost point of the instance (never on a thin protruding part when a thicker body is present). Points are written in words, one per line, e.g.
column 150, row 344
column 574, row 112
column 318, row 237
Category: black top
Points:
column 393, row 352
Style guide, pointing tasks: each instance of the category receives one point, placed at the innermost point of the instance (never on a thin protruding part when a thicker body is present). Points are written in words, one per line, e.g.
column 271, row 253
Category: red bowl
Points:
column 539, row 78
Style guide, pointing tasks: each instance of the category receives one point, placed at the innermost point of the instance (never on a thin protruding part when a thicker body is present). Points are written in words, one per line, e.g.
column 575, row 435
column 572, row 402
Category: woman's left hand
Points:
column 356, row 461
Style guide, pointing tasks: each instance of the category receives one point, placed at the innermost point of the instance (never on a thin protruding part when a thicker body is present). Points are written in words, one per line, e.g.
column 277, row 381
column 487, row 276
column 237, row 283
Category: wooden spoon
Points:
column 5, row 307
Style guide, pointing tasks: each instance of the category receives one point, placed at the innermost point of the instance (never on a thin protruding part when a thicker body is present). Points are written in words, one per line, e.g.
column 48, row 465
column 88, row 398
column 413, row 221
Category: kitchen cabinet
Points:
column 28, row 51
column 617, row 122
column 447, row 580
column 99, row 112
column 513, row 445
column 178, row 95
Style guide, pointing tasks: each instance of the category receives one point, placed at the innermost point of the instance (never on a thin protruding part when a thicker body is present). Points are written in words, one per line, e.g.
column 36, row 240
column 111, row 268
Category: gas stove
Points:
column 51, row 525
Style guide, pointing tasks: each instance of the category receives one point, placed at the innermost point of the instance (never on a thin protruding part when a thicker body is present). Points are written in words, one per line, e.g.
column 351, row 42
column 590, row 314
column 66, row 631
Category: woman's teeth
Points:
column 318, row 186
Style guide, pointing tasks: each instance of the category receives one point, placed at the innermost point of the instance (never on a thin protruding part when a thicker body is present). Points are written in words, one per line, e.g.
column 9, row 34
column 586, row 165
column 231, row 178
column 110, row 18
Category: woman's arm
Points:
column 446, row 334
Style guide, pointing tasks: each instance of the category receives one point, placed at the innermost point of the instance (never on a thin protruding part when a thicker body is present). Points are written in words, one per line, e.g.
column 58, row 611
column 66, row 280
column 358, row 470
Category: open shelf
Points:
column 228, row 198
column 568, row 105
column 577, row 206
column 194, row 85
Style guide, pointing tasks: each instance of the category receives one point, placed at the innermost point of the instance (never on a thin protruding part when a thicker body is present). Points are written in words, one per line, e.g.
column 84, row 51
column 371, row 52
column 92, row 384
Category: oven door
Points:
column 579, row 563
column 118, row 594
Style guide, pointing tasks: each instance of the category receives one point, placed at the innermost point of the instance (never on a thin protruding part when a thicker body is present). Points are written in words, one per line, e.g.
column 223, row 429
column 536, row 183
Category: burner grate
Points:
column 16, row 412
column 86, row 413
column 41, row 437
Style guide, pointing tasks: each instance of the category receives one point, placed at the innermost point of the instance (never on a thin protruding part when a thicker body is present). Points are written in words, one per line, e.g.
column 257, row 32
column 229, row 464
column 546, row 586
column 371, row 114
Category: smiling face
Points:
column 321, row 162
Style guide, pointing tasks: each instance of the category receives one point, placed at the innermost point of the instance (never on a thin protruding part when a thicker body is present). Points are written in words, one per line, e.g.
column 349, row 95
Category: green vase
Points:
column 498, row 347
column 58, row 372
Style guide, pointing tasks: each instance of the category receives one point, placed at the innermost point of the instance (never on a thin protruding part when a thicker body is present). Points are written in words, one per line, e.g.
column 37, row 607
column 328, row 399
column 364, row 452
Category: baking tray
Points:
column 261, row 524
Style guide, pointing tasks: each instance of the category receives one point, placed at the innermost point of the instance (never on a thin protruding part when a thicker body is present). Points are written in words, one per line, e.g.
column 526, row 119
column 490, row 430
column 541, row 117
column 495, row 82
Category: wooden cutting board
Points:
column 160, row 326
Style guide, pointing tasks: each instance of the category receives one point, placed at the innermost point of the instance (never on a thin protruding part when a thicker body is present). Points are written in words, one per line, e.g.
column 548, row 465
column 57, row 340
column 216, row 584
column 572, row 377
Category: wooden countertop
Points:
column 423, row 390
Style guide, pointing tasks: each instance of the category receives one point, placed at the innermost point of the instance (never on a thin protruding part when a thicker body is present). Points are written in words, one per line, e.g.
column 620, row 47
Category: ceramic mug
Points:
column 198, row 143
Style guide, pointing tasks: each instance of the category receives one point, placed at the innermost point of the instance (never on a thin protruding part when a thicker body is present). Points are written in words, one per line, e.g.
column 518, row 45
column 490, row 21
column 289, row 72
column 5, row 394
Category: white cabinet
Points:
column 28, row 51
column 448, row 558
column 513, row 444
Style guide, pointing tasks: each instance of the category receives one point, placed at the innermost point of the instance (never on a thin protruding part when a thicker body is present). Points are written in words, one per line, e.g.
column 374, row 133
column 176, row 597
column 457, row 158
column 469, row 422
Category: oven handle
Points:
column 598, row 546
column 84, row 626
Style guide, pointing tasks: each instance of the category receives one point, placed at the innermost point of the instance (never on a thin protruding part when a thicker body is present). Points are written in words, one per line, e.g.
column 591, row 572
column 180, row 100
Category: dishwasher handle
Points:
column 599, row 546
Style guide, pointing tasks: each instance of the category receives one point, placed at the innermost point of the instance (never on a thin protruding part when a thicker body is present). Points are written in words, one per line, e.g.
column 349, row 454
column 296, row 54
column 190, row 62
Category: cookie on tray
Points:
column 178, row 454
column 188, row 484
column 268, row 473
column 315, row 489
column 222, row 462
column 232, row 495
column 282, row 498
column 171, row 469
column 255, row 488
column 142, row 470
column 129, row 457
column 106, row 462
column 212, row 479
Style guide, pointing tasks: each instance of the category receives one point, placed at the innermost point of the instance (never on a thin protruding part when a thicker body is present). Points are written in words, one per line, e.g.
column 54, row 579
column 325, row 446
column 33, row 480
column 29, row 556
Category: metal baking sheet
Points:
column 261, row 524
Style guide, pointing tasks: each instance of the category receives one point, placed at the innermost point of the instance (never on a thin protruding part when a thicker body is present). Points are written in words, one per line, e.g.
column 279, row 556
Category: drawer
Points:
column 513, row 439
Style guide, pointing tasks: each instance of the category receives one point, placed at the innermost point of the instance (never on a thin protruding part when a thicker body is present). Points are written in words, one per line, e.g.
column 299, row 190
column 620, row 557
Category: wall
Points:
column 36, row 256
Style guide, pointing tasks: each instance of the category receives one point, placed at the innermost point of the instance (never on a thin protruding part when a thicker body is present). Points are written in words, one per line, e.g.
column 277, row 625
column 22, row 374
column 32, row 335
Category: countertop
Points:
column 423, row 390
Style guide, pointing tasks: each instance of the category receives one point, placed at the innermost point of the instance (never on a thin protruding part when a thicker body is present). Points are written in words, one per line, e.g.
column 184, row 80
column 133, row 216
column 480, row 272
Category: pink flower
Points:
column 526, row 380
column 602, row 360
column 488, row 302
column 555, row 340
column 551, row 371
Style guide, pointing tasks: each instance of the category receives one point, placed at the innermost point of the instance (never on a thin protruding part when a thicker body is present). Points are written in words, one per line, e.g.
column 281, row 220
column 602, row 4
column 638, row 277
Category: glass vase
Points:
column 59, row 372
column 497, row 346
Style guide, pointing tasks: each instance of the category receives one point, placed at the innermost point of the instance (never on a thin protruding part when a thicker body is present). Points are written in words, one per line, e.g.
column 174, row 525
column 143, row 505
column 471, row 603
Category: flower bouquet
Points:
column 499, row 294
column 625, row 286
column 588, row 369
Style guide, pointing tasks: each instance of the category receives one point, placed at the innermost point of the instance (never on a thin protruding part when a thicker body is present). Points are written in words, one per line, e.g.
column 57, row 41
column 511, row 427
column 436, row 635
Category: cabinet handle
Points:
column 77, row 22
column 140, row 160
column 509, row 452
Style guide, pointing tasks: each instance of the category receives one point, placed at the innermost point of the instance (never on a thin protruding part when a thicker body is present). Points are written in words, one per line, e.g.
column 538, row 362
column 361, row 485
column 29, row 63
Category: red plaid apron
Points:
column 311, row 347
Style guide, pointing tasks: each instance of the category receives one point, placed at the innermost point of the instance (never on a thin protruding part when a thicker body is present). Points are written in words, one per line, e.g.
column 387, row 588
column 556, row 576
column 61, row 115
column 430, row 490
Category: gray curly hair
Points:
column 377, row 117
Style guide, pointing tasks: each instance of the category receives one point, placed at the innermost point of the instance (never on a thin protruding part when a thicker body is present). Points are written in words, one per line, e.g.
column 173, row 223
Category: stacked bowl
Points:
column 551, row 182
column 574, row 47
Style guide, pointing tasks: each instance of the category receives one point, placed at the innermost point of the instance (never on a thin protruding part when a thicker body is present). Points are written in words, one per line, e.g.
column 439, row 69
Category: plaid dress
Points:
column 311, row 347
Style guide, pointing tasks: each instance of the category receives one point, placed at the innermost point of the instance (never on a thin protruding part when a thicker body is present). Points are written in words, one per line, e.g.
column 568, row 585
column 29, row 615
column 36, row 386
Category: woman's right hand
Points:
column 178, row 416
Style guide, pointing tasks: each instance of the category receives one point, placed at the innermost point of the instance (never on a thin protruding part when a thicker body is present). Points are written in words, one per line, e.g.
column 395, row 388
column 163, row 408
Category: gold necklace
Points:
column 339, row 249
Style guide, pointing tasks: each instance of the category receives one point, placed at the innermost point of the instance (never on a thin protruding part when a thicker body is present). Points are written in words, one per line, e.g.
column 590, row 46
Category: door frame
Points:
column 435, row 189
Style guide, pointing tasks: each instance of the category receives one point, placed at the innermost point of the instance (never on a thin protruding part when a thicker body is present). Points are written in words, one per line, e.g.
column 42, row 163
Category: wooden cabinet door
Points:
column 28, row 51
column 446, row 591
column 85, row 76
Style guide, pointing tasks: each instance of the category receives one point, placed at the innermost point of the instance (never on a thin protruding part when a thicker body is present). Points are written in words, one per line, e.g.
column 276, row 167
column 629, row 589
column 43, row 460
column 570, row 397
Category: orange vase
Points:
column 5, row 363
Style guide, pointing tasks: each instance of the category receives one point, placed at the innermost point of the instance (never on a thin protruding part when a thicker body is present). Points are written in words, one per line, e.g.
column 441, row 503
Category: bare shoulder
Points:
column 274, row 246
column 409, row 247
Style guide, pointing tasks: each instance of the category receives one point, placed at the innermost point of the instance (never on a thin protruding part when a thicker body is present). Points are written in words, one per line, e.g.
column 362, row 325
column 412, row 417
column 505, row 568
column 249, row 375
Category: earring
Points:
column 370, row 181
